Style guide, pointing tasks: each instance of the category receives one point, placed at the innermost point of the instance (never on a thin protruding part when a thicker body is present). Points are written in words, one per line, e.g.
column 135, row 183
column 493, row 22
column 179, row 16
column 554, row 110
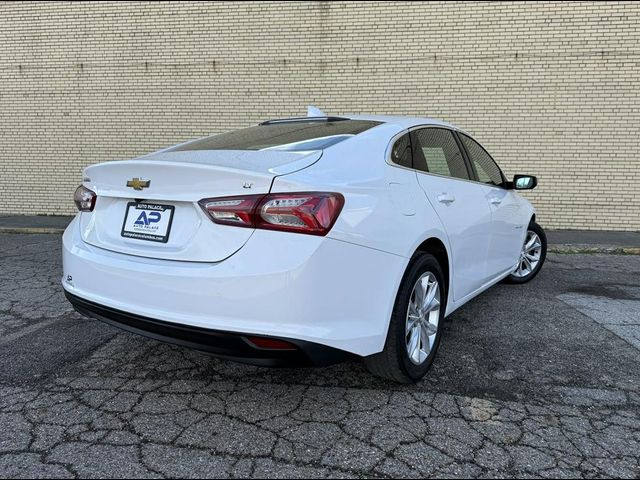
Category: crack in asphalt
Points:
column 546, row 393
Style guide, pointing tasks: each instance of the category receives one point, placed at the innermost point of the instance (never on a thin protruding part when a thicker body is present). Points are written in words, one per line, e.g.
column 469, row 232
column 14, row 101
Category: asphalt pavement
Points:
column 539, row 380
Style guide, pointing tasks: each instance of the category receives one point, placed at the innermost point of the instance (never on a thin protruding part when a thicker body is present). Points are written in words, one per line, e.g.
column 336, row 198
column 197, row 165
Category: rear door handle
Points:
column 495, row 201
column 446, row 198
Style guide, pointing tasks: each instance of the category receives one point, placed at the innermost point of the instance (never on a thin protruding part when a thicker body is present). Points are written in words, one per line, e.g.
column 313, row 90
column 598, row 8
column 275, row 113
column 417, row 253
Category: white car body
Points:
column 336, row 290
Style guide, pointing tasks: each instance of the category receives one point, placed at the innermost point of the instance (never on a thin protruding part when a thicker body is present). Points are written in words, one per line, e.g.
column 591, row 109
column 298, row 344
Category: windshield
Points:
column 290, row 136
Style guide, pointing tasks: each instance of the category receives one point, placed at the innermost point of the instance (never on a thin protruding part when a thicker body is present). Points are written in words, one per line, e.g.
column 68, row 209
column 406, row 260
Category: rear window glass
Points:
column 290, row 136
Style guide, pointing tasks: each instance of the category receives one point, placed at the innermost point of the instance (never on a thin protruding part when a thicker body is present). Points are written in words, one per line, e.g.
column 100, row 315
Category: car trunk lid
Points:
column 162, row 219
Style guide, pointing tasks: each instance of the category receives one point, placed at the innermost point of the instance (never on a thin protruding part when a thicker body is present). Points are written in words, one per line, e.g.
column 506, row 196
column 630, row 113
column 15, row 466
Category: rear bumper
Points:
column 282, row 285
column 227, row 345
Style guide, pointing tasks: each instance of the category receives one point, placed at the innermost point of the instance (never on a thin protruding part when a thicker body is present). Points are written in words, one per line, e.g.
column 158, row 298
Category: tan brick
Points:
column 550, row 88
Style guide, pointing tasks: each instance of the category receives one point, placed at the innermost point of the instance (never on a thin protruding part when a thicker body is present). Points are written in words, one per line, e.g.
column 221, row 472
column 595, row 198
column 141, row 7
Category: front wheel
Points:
column 416, row 324
column 532, row 255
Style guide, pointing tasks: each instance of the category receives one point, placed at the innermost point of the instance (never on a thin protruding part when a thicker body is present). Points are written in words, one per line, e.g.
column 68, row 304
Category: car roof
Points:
column 399, row 121
column 404, row 122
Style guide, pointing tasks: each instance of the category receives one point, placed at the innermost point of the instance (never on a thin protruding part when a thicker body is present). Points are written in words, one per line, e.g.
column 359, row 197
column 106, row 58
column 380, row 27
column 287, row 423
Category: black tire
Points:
column 393, row 363
column 538, row 230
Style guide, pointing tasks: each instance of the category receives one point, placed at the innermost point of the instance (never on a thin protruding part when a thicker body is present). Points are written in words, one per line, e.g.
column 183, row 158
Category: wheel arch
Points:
column 437, row 248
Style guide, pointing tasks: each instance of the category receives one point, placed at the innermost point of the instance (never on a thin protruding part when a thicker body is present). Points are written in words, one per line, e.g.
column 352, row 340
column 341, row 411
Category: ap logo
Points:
column 146, row 219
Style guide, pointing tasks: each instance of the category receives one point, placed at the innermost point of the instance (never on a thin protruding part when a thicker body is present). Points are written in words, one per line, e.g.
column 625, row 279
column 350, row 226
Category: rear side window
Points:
column 488, row 170
column 290, row 136
column 401, row 152
column 435, row 150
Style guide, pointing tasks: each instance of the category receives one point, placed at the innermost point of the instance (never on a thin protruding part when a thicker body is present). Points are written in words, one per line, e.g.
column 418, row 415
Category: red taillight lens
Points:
column 238, row 211
column 313, row 213
column 84, row 199
column 271, row 343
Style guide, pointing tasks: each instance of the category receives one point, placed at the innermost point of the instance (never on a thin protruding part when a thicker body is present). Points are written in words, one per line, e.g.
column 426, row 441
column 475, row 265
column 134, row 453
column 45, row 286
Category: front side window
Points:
column 435, row 150
column 488, row 170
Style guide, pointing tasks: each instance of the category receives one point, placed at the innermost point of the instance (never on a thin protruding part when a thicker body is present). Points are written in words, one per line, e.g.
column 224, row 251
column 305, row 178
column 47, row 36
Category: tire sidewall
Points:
column 420, row 265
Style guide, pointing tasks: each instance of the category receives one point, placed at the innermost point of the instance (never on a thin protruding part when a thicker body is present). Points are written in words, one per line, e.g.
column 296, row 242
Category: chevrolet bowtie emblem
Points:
column 138, row 184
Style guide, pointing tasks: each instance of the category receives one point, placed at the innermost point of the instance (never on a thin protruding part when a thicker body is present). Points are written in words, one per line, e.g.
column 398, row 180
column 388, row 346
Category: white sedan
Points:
column 301, row 241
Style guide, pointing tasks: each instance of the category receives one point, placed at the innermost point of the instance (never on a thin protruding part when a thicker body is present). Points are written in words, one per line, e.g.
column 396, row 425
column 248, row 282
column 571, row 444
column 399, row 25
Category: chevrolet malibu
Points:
column 302, row 241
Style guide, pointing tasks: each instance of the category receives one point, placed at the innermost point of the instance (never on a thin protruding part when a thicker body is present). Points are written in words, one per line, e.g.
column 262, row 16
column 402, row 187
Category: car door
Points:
column 445, row 178
column 507, row 217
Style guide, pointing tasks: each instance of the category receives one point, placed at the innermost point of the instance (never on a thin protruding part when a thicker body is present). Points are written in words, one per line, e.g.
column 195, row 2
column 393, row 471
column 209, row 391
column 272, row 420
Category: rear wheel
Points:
column 532, row 255
column 416, row 324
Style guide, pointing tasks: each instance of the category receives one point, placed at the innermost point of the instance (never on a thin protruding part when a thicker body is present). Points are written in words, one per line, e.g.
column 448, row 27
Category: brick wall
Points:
column 550, row 88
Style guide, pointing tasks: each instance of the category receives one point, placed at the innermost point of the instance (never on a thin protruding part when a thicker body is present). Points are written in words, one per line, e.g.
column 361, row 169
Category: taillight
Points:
column 84, row 199
column 236, row 211
column 312, row 213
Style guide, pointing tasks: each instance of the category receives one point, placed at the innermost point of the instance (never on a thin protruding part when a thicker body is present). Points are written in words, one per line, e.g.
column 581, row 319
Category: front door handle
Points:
column 446, row 198
column 495, row 201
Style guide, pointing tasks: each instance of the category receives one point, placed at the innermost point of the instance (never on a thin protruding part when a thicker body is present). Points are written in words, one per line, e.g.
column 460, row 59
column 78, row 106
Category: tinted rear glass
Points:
column 290, row 136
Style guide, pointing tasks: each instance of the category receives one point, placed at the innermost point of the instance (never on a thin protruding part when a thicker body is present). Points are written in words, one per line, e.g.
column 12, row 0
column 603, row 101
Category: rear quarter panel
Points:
column 384, row 206
column 385, row 209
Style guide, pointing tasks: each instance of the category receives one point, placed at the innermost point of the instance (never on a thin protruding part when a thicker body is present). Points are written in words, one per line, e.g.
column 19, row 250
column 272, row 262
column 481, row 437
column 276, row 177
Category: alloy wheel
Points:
column 423, row 317
column 530, row 255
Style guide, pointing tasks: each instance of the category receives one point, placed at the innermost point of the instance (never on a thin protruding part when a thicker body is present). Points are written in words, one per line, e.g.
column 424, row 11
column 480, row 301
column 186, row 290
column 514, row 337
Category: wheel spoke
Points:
column 414, row 311
column 431, row 328
column 530, row 241
column 432, row 291
column 435, row 305
column 424, row 340
column 414, row 341
column 523, row 268
column 532, row 258
column 535, row 246
column 420, row 293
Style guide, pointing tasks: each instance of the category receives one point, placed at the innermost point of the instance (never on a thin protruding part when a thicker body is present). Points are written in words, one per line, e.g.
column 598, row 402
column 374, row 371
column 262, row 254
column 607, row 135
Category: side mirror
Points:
column 524, row 182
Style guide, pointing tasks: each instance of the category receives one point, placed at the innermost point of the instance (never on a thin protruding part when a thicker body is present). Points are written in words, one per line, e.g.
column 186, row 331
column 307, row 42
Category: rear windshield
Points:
column 290, row 136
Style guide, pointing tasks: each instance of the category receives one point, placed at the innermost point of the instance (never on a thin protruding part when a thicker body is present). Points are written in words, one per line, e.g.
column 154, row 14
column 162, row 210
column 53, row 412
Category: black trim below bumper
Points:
column 227, row 345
